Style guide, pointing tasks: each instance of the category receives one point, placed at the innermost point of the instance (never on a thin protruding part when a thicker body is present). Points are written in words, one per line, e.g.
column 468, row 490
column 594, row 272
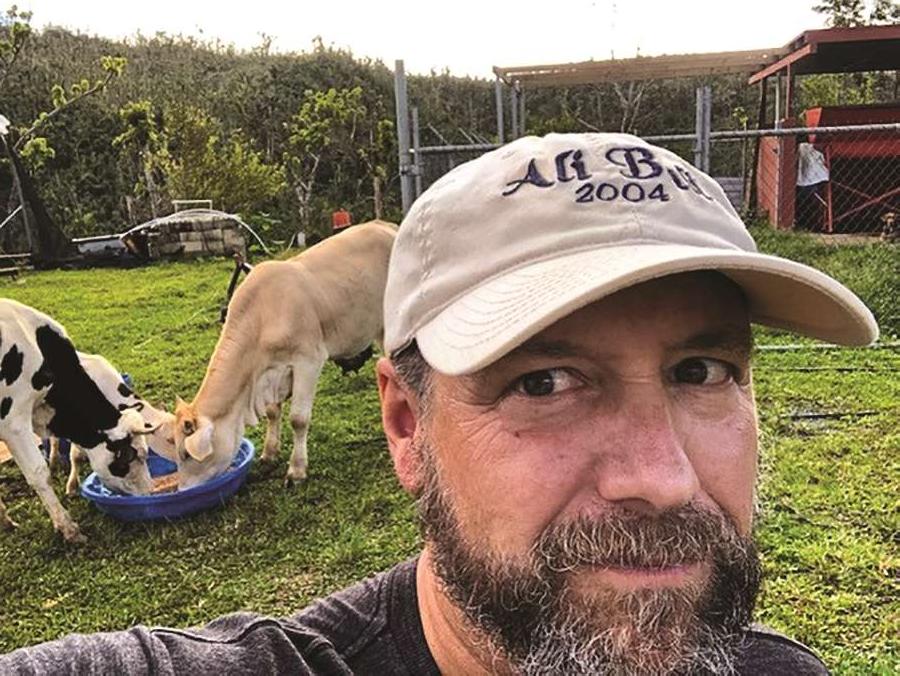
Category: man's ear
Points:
column 400, row 417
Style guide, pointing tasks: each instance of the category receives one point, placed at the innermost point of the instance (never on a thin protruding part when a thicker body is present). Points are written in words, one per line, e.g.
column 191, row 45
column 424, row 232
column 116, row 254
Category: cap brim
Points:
column 492, row 319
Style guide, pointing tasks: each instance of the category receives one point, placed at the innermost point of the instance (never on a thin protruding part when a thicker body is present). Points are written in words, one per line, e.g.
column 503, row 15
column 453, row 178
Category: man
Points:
column 812, row 179
column 568, row 393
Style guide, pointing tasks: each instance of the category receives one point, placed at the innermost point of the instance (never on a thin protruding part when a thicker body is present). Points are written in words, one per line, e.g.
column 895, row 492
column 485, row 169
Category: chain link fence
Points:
column 830, row 180
column 840, row 184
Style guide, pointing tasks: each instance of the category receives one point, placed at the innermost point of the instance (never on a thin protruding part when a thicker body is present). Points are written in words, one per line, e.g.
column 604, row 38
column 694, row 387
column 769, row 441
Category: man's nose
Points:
column 642, row 463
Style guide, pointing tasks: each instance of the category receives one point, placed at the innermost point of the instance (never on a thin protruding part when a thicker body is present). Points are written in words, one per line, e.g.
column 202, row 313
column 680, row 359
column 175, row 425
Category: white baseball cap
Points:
column 507, row 244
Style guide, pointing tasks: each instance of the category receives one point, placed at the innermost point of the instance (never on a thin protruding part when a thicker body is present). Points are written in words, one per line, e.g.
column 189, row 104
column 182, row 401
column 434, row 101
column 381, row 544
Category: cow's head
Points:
column 120, row 460
column 194, row 445
column 162, row 439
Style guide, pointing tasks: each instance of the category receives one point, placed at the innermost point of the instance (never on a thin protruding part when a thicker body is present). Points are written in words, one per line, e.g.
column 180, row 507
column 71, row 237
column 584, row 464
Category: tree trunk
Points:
column 376, row 193
column 152, row 192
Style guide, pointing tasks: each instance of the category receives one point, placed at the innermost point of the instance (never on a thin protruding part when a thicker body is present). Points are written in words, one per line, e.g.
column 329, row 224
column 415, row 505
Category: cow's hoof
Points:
column 268, row 457
column 72, row 534
column 294, row 479
column 8, row 524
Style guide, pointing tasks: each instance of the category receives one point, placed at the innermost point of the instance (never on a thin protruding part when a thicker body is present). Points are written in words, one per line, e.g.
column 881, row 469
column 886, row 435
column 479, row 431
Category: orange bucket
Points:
column 340, row 219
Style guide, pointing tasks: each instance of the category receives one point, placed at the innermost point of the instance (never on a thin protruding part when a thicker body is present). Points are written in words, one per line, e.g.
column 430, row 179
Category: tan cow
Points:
column 284, row 322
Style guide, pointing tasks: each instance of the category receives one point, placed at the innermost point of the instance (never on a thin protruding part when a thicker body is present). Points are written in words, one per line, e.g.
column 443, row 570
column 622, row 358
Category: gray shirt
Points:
column 370, row 628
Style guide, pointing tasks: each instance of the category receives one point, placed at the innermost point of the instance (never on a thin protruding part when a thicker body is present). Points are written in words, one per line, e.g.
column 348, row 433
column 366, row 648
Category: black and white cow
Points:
column 109, row 380
column 44, row 390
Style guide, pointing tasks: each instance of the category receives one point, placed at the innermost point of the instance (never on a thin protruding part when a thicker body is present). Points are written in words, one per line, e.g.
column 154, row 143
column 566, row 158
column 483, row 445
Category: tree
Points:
column 185, row 153
column 112, row 67
column 852, row 13
column 885, row 12
column 15, row 30
column 203, row 161
column 341, row 130
column 143, row 142
column 35, row 150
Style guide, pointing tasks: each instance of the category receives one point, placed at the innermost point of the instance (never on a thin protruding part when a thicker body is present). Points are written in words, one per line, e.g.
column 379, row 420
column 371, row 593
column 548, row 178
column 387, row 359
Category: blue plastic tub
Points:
column 170, row 505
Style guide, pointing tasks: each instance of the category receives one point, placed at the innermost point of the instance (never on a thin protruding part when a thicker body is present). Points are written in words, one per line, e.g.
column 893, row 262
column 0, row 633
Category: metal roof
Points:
column 641, row 68
column 833, row 50
column 839, row 50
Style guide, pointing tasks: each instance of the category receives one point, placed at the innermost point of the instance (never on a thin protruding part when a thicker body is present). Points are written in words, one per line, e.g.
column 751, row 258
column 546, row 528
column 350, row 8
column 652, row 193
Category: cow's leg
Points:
column 5, row 522
column 53, row 460
column 273, row 433
column 75, row 455
column 306, row 375
column 27, row 454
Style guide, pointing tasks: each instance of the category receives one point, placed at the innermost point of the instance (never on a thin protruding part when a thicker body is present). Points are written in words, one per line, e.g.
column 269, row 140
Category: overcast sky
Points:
column 467, row 36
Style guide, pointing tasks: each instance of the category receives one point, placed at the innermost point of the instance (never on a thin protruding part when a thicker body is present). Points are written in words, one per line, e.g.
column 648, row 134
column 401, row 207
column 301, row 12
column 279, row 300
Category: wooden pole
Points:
column 751, row 190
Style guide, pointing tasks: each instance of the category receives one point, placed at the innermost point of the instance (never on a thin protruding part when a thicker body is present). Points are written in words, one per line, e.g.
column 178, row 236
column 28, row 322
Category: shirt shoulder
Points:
column 374, row 625
column 240, row 643
column 349, row 618
column 770, row 652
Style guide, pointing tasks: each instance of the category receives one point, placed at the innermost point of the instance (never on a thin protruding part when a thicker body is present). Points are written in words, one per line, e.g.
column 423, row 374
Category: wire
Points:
column 827, row 346
column 196, row 212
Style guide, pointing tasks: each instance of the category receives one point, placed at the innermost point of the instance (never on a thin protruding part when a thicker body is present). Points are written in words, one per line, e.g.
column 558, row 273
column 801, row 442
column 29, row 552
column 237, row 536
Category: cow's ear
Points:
column 148, row 428
column 199, row 446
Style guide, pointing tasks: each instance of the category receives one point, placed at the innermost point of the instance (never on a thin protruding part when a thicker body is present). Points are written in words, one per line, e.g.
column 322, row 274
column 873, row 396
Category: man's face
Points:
column 590, row 495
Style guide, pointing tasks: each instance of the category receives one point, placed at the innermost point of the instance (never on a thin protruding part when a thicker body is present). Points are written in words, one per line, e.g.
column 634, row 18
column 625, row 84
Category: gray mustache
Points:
column 683, row 536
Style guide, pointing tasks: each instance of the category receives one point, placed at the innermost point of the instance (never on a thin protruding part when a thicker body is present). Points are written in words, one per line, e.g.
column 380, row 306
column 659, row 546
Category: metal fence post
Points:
column 778, row 116
column 703, row 124
column 498, row 98
column 514, row 110
column 417, row 157
column 402, row 104
column 521, row 109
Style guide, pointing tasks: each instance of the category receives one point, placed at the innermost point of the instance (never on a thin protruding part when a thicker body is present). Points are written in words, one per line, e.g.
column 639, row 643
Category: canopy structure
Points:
column 833, row 50
column 640, row 68
column 838, row 50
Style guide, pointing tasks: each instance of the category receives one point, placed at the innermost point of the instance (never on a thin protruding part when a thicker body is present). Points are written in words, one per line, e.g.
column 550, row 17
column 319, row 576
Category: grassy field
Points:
column 829, row 490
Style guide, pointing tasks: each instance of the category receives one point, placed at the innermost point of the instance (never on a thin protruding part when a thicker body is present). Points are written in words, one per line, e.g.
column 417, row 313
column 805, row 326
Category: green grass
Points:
column 829, row 493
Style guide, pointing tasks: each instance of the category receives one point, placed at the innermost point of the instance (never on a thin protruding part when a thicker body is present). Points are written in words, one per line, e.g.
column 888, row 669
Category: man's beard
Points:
column 530, row 615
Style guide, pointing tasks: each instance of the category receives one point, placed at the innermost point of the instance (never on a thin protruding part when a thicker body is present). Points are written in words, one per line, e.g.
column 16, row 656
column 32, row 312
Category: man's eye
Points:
column 544, row 383
column 703, row 371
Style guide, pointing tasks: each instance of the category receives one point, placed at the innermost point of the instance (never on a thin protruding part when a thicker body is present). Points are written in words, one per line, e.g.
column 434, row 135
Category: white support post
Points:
column 498, row 99
column 703, row 127
column 402, row 105
column 417, row 156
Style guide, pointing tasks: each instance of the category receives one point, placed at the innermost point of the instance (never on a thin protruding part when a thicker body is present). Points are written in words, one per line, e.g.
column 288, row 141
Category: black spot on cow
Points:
column 123, row 455
column 43, row 377
column 124, row 390
column 137, row 406
column 80, row 411
column 11, row 365
column 5, row 405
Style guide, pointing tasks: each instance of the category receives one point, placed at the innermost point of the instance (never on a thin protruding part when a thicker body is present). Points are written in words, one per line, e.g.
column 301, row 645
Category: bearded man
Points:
column 568, row 394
